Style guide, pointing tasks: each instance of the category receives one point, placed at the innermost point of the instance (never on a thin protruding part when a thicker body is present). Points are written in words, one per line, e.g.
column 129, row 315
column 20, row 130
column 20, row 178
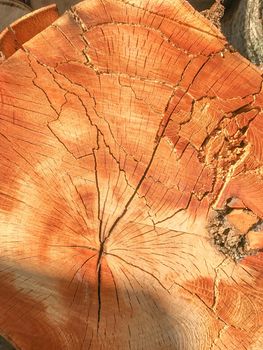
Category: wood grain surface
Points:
column 131, row 184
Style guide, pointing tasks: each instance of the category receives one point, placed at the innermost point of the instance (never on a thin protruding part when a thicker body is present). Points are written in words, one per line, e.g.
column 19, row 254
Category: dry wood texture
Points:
column 131, row 184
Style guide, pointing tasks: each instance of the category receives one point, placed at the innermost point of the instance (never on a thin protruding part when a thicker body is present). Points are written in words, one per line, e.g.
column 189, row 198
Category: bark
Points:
column 131, row 184
column 243, row 27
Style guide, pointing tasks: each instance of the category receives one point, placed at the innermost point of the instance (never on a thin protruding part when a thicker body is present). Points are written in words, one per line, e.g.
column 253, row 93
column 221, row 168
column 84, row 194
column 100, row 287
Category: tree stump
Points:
column 131, row 184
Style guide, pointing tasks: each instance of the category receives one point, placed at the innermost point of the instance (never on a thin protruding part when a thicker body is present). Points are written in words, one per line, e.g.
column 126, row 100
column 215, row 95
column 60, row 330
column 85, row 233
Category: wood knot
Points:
column 231, row 229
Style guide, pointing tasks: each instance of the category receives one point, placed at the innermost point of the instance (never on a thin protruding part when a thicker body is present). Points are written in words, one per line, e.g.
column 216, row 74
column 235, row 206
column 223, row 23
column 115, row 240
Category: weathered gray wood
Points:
column 243, row 26
column 11, row 10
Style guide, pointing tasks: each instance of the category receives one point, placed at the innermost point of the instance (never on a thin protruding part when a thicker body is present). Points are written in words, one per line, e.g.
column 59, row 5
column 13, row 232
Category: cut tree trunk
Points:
column 131, row 184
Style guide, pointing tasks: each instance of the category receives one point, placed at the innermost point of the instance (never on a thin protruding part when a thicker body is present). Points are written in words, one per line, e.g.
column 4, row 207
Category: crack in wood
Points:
column 172, row 19
column 99, row 296
column 140, row 268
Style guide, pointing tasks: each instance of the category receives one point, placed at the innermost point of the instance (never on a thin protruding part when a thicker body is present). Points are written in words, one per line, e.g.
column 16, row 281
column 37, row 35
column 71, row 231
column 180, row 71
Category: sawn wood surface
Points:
column 131, row 184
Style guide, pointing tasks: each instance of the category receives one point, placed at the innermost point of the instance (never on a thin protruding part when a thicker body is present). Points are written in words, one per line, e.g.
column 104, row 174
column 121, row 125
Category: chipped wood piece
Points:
column 242, row 220
column 125, row 133
column 13, row 37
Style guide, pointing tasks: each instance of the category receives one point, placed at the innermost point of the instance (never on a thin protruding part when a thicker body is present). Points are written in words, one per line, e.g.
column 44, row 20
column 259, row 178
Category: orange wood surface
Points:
column 130, row 176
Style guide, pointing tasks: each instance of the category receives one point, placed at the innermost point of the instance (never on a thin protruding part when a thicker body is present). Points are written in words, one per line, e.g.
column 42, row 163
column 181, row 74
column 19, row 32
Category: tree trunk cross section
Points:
column 131, row 184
